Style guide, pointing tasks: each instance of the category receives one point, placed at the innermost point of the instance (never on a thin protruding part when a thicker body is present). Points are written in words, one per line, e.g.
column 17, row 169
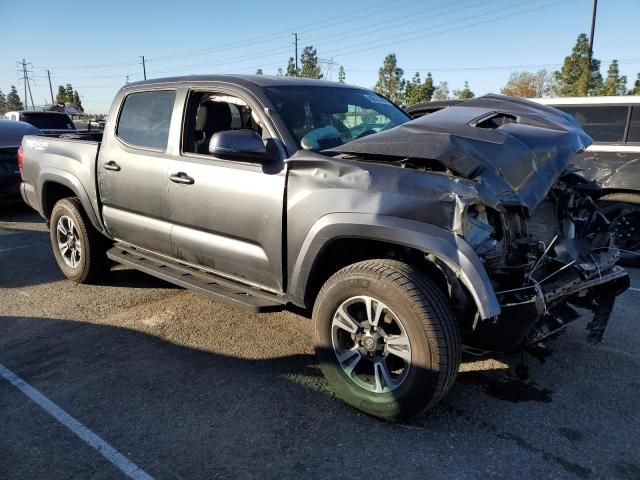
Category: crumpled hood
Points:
column 517, row 147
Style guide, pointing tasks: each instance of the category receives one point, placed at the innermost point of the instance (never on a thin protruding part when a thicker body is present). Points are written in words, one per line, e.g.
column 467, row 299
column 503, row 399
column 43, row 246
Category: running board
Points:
column 196, row 280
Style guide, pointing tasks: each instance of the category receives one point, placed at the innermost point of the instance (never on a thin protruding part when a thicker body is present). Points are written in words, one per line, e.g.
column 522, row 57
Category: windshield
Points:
column 325, row 117
column 52, row 121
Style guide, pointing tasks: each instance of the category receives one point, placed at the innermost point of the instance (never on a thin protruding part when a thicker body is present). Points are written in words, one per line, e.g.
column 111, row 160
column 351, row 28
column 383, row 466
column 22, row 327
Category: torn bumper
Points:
column 534, row 312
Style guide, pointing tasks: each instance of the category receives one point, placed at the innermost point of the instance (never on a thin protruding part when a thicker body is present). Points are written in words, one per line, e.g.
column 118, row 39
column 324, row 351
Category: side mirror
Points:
column 242, row 144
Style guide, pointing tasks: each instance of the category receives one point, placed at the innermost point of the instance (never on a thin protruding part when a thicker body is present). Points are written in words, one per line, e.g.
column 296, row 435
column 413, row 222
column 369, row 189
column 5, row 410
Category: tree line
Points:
column 66, row 96
column 578, row 77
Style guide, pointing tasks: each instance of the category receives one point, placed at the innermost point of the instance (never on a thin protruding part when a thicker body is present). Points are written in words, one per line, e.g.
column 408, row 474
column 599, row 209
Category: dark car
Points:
column 49, row 123
column 11, row 134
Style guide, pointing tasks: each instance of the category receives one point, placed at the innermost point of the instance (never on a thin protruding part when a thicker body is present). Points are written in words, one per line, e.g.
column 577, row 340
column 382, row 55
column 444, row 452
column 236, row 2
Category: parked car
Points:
column 49, row 123
column 613, row 160
column 11, row 134
column 408, row 241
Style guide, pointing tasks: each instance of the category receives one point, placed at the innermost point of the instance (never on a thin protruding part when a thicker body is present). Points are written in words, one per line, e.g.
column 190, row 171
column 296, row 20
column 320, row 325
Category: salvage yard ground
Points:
column 185, row 387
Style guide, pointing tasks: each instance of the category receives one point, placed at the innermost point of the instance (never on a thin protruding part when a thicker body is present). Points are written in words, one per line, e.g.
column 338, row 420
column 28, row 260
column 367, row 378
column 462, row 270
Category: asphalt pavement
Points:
column 185, row 387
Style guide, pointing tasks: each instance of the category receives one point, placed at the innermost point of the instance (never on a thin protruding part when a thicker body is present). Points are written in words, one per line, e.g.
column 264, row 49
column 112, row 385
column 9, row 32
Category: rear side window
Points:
column 605, row 124
column 145, row 118
column 634, row 125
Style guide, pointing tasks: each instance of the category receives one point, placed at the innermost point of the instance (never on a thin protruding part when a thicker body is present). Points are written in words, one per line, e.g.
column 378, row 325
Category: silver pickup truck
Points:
column 409, row 241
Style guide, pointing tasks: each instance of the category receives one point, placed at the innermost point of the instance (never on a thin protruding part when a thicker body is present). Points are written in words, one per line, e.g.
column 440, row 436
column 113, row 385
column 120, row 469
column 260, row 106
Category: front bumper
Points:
column 534, row 312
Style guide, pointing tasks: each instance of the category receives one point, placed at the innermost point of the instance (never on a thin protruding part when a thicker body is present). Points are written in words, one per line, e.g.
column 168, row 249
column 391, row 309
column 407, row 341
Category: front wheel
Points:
column 386, row 338
column 79, row 250
column 623, row 211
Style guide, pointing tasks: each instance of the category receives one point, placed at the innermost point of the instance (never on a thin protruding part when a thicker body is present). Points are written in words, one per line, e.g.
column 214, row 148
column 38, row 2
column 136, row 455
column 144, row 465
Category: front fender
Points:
column 430, row 239
column 66, row 179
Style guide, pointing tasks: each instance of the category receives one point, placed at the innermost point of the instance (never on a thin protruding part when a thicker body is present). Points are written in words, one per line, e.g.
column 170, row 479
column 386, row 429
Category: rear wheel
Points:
column 386, row 338
column 623, row 211
column 79, row 250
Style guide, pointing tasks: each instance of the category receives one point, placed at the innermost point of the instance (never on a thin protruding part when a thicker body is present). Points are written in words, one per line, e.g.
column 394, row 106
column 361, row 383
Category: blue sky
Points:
column 95, row 45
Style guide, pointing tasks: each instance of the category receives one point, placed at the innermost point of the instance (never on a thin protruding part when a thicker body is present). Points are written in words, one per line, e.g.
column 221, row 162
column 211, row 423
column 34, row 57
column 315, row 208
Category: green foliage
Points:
column 578, row 78
column 528, row 84
column 342, row 76
column 76, row 101
column 636, row 87
column 614, row 84
column 61, row 97
column 259, row 71
column 291, row 68
column 309, row 66
column 3, row 103
column 391, row 83
column 416, row 91
column 465, row 93
column 280, row 74
column 13, row 101
column 441, row 92
column 69, row 93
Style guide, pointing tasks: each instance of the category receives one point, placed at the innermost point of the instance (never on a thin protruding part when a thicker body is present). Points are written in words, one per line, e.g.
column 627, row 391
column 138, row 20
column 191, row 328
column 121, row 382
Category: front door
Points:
column 132, row 171
column 226, row 214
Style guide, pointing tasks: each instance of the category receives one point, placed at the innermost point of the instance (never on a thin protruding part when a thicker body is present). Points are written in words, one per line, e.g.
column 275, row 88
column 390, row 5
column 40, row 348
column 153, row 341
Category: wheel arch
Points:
column 364, row 236
column 57, row 185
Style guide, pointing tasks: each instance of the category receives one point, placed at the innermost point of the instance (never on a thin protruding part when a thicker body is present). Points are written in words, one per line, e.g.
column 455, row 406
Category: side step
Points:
column 197, row 280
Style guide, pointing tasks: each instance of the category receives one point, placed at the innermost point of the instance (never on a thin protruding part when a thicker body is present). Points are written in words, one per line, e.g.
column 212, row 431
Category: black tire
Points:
column 623, row 210
column 92, row 258
column 427, row 318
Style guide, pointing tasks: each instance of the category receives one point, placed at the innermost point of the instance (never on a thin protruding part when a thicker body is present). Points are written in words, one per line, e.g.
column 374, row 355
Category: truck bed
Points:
column 68, row 160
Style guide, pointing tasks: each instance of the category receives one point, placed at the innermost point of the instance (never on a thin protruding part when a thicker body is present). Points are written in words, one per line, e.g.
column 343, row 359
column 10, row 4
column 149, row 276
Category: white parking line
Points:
column 14, row 248
column 633, row 289
column 103, row 448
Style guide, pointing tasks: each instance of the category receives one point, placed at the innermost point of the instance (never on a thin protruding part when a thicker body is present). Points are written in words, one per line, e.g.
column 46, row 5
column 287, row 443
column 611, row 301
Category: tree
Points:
column 309, row 66
column 528, row 84
column 391, row 83
column 259, row 71
column 13, row 101
column 3, row 103
column 61, row 96
column 69, row 93
column 441, row 92
column 416, row 91
column 341, row 75
column 76, row 101
column 291, row 68
column 615, row 84
column 578, row 78
column 280, row 74
column 465, row 93
column 636, row 87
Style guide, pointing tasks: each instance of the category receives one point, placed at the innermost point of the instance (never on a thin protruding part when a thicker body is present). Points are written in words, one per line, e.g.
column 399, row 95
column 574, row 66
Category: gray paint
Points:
column 265, row 224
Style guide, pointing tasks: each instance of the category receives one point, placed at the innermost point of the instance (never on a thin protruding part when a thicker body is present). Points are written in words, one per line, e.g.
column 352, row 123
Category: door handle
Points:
column 182, row 177
column 113, row 166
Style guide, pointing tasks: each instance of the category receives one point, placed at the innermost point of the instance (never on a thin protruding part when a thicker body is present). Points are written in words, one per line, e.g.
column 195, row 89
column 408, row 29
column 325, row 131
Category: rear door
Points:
column 132, row 170
column 228, row 218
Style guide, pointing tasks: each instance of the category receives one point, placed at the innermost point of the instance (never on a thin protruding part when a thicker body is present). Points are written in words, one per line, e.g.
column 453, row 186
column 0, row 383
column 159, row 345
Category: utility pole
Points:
column 25, row 78
column 295, row 42
column 50, row 87
column 593, row 29
column 144, row 67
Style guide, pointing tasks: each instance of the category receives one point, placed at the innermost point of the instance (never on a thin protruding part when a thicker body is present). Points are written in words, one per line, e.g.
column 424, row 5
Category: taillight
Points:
column 20, row 155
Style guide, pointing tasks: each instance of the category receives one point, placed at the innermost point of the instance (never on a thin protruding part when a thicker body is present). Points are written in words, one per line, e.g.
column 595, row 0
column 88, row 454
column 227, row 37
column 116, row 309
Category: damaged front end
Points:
column 544, row 244
column 544, row 264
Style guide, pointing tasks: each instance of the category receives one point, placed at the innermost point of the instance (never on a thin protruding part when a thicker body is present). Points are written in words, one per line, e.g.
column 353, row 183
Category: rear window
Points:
column 634, row 126
column 605, row 124
column 48, row 121
column 145, row 118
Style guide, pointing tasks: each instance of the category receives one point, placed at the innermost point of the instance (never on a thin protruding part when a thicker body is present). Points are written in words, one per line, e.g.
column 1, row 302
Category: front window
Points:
column 326, row 117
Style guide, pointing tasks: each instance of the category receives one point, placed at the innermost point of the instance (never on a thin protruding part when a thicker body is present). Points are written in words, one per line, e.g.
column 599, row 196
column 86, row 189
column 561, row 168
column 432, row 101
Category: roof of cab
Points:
column 258, row 80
